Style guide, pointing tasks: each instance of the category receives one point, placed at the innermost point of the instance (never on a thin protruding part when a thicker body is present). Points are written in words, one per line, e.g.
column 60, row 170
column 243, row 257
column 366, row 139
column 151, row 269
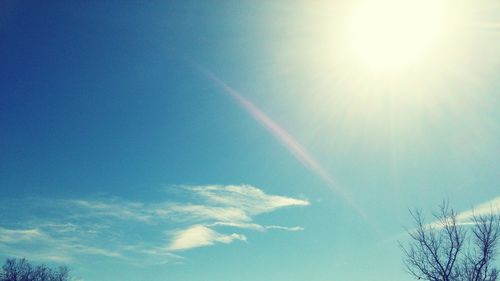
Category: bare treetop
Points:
column 22, row 270
column 448, row 250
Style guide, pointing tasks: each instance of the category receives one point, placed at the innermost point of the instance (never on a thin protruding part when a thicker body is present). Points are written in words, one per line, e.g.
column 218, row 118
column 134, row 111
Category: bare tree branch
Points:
column 446, row 250
column 22, row 270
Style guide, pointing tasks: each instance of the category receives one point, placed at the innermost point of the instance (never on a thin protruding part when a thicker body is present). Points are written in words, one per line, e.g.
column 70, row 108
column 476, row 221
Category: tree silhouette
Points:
column 448, row 250
column 22, row 270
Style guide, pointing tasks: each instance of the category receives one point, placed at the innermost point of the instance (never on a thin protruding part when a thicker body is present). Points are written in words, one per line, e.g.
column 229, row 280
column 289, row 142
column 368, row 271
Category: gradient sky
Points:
column 234, row 140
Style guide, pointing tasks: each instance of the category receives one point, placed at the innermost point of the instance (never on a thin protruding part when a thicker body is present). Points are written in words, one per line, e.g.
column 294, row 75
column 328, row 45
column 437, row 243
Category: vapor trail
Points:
column 288, row 141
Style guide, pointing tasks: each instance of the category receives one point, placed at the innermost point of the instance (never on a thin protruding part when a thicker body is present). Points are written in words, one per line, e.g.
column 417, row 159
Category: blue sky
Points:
column 238, row 140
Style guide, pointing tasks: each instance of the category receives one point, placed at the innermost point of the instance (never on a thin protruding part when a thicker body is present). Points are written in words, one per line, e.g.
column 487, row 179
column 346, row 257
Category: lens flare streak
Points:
column 287, row 140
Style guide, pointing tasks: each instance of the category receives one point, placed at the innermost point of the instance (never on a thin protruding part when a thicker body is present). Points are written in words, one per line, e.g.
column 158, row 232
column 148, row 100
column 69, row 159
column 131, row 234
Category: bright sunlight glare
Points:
column 388, row 34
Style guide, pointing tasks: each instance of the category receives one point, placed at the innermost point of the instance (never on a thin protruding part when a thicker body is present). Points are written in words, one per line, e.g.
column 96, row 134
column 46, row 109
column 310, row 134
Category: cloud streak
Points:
column 199, row 236
column 490, row 207
column 237, row 205
column 19, row 235
column 247, row 198
column 466, row 218
column 136, row 232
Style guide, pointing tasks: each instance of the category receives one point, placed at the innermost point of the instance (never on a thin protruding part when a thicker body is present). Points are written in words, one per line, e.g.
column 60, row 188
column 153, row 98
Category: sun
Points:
column 389, row 34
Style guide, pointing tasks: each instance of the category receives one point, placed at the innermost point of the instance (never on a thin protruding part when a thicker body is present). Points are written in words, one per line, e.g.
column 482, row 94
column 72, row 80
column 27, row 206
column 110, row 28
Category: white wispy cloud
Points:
column 86, row 249
column 65, row 230
column 247, row 198
column 252, row 226
column 202, row 212
column 490, row 207
column 465, row 218
column 115, row 208
column 19, row 235
column 294, row 228
column 45, row 244
column 199, row 236
column 49, row 255
column 236, row 207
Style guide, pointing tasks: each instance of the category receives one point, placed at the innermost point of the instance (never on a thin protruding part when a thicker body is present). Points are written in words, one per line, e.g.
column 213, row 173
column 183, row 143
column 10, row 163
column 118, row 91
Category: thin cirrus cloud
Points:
column 249, row 199
column 466, row 218
column 240, row 203
column 197, row 212
column 67, row 230
column 490, row 207
column 200, row 236
column 18, row 235
column 48, row 242
column 115, row 208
